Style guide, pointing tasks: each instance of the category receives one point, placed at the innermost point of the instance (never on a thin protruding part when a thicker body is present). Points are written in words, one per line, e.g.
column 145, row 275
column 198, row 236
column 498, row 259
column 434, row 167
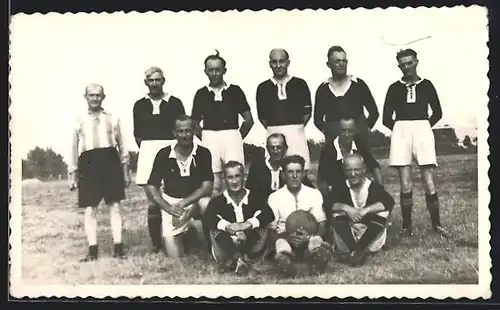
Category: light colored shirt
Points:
column 283, row 203
column 97, row 130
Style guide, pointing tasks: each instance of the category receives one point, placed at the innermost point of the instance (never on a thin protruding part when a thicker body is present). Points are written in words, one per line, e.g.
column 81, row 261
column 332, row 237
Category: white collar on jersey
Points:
column 268, row 164
column 351, row 77
column 165, row 97
column 243, row 201
column 336, row 145
column 283, row 81
column 414, row 83
column 225, row 86
column 172, row 151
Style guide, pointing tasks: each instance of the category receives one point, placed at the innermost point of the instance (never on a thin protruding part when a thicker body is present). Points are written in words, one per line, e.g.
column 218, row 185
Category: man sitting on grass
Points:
column 235, row 222
column 298, row 244
column 360, row 211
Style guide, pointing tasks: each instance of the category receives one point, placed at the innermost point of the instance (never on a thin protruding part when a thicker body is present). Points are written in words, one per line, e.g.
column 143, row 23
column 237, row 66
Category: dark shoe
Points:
column 285, row 264
column 227, row 266
column 92, row 255
column 118, row 252
column 320, row 257
column 357, row 258
column 242, row 266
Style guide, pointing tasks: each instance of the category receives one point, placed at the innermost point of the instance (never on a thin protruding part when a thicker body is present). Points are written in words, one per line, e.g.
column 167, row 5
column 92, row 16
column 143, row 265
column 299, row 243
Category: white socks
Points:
column 116, row 222
column 90, row 223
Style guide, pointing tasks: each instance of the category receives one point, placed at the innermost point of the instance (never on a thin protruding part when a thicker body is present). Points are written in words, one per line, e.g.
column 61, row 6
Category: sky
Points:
column 54, row 56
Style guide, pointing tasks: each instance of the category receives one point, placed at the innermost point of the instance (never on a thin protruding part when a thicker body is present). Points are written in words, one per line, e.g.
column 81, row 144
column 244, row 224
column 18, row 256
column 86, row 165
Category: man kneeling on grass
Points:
column 236, row 222
column 185, row 168
column 360, row 211
column 298, row 244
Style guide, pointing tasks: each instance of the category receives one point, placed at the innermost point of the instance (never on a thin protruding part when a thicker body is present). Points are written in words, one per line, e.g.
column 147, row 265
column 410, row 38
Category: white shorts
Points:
column 412, row 139
column 295, row 136
column 224, row 145
column 357, row 231
column 168, row 229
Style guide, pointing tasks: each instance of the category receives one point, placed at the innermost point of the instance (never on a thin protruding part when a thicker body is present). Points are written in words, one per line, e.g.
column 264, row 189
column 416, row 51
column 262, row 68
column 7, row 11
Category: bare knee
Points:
column 428, row 180
column 203, row 204
column 406, row 185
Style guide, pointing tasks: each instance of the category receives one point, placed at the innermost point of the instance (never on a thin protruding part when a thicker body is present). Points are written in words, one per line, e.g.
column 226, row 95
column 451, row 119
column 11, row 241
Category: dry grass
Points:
column 53, row 241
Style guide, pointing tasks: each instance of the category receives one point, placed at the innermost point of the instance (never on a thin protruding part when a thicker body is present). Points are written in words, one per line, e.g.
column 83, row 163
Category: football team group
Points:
column 192, row 167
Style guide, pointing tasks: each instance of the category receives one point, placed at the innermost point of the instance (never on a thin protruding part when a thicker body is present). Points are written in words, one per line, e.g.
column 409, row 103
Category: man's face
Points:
column 347, row 131
column 94, row 96
column 276, row 148
column 215, row 71
column 279, row 63
column 155, row 82
column 234, row 178
column 408, row 65
column 338, row 63
column 354, row 170
column 294, row 174
column 183, row 132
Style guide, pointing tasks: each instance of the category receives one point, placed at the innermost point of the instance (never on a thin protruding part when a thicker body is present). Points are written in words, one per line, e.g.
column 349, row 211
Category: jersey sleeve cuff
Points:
column 222, row 224
column 254, row 221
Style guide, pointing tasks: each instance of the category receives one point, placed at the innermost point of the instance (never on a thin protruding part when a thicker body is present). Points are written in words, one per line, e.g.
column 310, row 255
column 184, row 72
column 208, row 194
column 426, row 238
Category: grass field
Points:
column 53, row 241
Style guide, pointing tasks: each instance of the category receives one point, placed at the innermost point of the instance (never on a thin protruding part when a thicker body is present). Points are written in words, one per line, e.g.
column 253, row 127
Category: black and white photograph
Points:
column 303, row 153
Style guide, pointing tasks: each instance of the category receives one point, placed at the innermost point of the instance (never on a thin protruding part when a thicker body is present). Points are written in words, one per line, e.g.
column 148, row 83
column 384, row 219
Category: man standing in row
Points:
column 185, row 170
column 412, row 137
column 99, row 168
column 154, row 118
column 219, row 106
column 284, row 105
column 344, row 94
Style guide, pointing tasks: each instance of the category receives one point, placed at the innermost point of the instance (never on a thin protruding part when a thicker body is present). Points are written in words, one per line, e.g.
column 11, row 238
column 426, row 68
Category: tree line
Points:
column 45, row 164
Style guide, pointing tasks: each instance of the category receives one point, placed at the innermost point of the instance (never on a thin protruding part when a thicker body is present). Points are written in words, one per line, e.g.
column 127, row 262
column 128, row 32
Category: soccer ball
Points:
column 301, row 218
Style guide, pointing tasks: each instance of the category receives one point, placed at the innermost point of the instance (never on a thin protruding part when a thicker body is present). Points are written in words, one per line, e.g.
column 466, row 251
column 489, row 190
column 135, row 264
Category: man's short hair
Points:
column 184, row 118
column 152, row 70
column 293, row 159
column 276, row 135
column 333, row 49
column 233, row 164
column 353, row 155
column 215, row 56
column 279, row 49
column 405, row 53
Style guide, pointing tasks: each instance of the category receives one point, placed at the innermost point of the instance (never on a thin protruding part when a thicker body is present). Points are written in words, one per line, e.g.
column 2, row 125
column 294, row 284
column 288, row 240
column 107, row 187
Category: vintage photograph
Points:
column 290, row 153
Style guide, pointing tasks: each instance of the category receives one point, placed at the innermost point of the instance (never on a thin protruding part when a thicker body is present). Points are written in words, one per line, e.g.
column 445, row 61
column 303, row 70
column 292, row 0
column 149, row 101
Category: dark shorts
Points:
column 100, row 177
